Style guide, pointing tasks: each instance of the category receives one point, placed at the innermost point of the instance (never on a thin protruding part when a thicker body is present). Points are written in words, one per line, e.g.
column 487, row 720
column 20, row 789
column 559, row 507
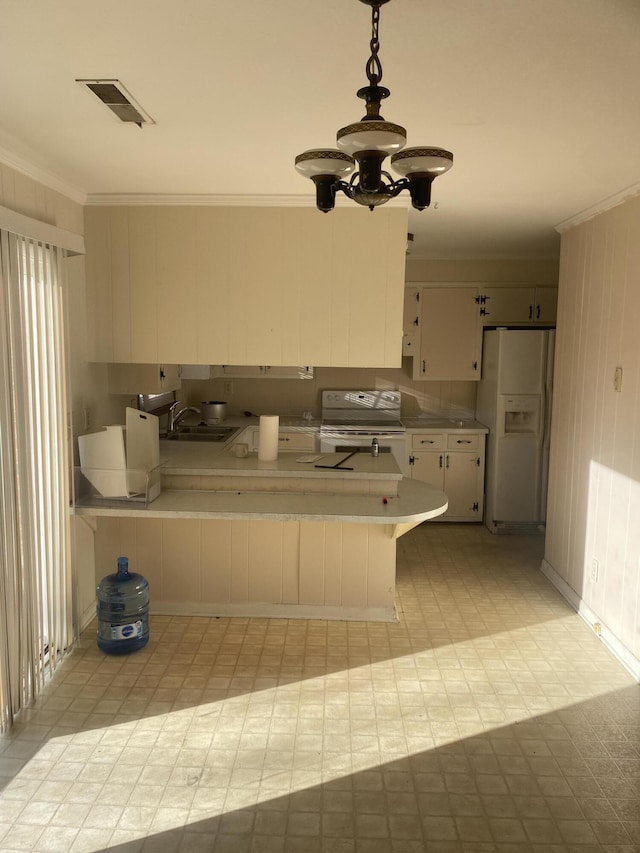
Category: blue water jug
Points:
column 123, row 611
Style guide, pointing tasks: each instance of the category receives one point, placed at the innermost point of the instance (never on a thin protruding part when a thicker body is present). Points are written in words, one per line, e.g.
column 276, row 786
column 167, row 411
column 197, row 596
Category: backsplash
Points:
column 292, row 397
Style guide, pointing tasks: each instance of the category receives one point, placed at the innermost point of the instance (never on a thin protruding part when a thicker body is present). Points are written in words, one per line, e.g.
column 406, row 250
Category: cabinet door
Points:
column 296, row 441
column 507, row 305
column 143, row 378
column 411, row 322
column 463, row 485
column 546, row 304
column 282, row 372
column 243, row 371
column 450, row 335
column 504, row 305
column 428, row 467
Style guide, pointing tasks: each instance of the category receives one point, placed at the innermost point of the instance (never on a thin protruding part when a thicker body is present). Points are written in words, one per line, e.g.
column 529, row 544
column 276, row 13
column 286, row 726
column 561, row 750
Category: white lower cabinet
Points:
column 454, row 462
column 289, row 440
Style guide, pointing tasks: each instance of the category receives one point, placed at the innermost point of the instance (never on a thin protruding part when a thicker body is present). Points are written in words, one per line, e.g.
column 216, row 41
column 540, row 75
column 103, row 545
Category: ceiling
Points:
column 537, row 99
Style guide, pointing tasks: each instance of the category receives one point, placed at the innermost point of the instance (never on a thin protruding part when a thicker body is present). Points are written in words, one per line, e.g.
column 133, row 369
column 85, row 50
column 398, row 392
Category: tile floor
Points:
column 488, row 719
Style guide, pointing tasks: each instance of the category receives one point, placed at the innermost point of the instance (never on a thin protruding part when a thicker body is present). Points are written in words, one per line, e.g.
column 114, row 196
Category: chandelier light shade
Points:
column 364, row 146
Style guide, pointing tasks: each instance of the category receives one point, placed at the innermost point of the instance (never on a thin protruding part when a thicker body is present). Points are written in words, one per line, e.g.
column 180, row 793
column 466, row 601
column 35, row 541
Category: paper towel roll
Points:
column 268, row 438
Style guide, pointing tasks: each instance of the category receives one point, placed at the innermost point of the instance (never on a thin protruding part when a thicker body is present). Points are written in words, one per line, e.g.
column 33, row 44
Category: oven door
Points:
column 338, row 441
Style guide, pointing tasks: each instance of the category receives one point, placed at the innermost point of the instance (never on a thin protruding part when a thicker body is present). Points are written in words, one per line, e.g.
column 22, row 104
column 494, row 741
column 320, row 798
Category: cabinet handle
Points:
column 416, row 322
column 537, row 312
column 284, row 438
column 463, row 441
column 427, row 441
column 446, row 465
column 531, row 312
column 440, row 461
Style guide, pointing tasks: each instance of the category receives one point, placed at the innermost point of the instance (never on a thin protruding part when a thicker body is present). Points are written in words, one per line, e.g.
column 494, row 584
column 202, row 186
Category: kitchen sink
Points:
column 204, row 432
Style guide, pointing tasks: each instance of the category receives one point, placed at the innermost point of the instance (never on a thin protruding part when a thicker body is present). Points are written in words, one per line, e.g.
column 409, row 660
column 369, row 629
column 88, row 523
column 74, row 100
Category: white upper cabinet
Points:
column 518, row 305
column 143, row 378
column 447, row 341
column 411, row 322
column 246, row 286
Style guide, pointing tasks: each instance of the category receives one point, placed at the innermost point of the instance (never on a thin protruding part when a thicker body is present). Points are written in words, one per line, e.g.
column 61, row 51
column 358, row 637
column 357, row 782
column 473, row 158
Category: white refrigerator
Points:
column 514, row 401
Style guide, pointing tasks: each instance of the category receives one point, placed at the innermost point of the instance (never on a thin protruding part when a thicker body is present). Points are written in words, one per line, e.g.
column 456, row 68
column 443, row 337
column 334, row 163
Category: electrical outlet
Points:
column 594, row 570
column 228, row 386
column 617, row 379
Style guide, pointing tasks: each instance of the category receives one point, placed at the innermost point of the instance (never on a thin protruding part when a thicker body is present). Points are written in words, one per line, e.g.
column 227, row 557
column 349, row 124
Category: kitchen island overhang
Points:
column 268, row 552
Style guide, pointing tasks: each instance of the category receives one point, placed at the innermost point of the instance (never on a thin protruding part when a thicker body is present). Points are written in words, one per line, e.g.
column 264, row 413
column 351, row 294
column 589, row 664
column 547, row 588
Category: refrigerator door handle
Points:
column 546, row 414
column 543, row 416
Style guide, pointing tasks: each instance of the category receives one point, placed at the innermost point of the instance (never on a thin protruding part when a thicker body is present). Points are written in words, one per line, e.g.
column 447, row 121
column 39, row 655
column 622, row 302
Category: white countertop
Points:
column 209, row 458
column 285, row 422
column 442, row 424
column 415, row 502
column 414, row 422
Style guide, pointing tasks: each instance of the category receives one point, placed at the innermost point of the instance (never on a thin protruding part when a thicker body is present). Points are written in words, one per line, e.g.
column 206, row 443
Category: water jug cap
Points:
column 123, row 566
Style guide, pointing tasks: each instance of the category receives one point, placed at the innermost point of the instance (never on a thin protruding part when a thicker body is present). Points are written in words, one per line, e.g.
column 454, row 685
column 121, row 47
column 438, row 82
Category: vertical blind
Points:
column 35, row 574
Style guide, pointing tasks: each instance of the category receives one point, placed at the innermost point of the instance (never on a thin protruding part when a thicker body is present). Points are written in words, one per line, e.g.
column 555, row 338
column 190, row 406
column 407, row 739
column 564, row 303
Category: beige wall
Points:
column 293, row 397
column 541, row 272
column 594, row 492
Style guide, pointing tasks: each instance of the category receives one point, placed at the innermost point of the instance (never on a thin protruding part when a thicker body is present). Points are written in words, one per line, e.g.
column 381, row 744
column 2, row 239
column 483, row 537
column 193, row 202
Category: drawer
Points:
column 287, row 441
column 296, row 441
column 427, row 441
column 462, row 441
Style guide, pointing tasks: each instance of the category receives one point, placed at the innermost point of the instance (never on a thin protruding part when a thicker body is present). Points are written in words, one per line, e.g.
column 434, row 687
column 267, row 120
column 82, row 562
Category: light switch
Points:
column 617, row 379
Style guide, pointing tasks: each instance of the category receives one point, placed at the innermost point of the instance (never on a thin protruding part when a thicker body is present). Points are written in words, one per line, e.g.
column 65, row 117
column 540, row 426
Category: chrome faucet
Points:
column 176, row 417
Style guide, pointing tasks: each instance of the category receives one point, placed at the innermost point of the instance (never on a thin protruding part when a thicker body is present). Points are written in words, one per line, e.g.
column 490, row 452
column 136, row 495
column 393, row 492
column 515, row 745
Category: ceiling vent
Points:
column 114, row 96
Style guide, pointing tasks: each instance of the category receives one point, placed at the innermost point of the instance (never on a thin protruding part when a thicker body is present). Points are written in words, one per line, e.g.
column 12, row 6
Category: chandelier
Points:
column 368, row 143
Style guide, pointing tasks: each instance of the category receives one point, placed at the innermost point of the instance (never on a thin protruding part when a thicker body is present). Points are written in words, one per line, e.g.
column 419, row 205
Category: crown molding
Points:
column 195, row 200
column 213, row 200
column 42, row 176
column 598, row 208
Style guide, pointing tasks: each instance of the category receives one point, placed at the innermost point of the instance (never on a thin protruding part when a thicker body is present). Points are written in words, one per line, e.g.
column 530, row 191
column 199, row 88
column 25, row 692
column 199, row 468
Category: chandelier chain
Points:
column 374, row 66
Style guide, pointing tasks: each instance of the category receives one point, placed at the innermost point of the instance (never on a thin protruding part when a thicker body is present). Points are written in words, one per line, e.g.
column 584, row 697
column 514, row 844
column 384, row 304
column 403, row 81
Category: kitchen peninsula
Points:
column 240, row 537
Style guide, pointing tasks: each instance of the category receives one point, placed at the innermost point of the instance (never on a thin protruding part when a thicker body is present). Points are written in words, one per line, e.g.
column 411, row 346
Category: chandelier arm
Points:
column 347, row 188
column 397, row 186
